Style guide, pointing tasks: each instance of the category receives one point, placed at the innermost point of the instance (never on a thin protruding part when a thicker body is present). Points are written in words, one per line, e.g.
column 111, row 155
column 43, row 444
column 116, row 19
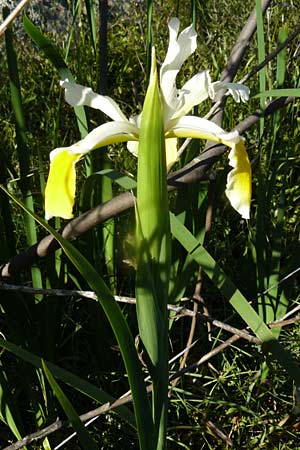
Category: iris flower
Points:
column 177, row 104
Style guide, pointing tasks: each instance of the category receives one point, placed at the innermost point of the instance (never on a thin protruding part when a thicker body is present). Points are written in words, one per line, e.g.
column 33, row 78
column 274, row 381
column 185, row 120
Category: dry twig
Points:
column 9, row 19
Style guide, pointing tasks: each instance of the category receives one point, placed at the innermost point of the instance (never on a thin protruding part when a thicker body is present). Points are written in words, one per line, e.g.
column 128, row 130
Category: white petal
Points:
column 192, row 93
column 180, row 48
column 199, row 128
column 106, row 134
column 133, row 147
column 237, row 90
column 77, row 95
column 136, row 120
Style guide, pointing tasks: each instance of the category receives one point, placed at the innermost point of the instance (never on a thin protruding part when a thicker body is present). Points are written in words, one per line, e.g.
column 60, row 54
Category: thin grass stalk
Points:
column 261, row 243
column 7, row 228
column 194, row 12
column 149, row 36
column 278, row 304
column 281, row 62
column 108, row 230
column 91, row 15
column 106, row 194
column 103, row 52
column 261, row 56
column 22, row 148
column 72, row 31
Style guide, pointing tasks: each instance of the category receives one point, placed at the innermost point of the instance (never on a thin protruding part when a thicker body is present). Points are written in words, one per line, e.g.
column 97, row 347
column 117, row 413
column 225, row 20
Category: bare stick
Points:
column 9, row 19
column 179, row 310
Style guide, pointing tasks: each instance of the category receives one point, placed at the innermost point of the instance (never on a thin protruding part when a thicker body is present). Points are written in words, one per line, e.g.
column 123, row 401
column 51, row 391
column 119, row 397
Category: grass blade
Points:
column 288, row 92
column 261, row 56
column 8, row 410
column 85, row 439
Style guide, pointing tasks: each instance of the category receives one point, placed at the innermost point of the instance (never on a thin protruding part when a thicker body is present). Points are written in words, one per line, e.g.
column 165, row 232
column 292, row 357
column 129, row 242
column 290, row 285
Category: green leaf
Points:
column 8, row 409
column 152, row 229
column 290, row 92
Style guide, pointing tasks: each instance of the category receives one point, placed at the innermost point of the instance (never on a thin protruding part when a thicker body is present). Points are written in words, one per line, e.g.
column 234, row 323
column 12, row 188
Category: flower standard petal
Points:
column 192, row 93
column 78, row 95
column 238, row 188
column 180, row 48
column 61, row 184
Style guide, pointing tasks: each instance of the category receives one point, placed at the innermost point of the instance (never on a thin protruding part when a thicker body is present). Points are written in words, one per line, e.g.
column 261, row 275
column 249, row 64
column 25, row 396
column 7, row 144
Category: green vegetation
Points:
column 65, row 354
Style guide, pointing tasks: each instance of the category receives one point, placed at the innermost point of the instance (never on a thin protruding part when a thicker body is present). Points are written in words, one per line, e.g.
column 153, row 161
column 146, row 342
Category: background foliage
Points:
column 240, row 398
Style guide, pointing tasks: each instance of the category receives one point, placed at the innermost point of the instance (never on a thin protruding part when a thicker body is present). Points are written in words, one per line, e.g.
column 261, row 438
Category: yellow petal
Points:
column 238, row 188
column 61, row 184
column 171, row 152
